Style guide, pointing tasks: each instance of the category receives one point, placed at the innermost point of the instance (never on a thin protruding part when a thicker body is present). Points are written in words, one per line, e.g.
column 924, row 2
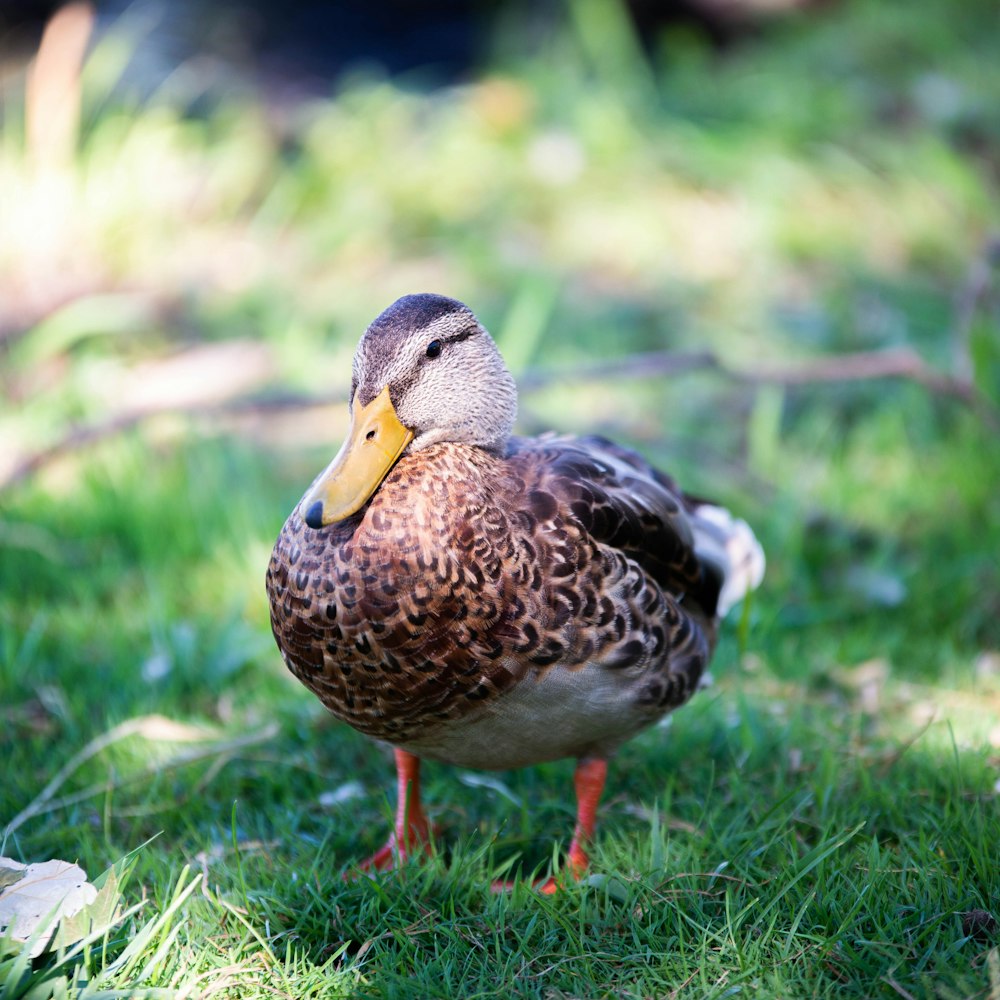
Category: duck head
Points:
column 425, row 372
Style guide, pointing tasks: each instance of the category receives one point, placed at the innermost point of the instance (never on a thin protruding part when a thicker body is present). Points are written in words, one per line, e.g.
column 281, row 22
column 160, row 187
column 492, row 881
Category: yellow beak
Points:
column 374, row 442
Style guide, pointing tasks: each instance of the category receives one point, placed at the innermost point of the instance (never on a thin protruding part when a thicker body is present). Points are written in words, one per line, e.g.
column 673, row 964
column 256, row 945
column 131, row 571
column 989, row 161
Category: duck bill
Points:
column 375, row 440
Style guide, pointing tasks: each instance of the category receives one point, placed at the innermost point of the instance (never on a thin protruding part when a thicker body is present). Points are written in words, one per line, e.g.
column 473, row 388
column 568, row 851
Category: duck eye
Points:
column 434, row 348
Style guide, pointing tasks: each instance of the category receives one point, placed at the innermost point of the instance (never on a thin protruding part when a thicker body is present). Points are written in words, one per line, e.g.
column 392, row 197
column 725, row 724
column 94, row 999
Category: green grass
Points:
column 819, row 822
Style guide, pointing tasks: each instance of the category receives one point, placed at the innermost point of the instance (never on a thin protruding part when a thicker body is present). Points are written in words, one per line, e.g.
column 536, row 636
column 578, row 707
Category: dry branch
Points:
column 899, row 363
column 148, row 726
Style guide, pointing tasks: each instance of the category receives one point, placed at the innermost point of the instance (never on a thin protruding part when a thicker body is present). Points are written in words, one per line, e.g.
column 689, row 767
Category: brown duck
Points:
column 491, row 601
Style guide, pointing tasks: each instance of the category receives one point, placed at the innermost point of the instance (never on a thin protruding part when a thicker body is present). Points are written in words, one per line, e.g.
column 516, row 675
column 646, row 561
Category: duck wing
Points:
column 624, row 503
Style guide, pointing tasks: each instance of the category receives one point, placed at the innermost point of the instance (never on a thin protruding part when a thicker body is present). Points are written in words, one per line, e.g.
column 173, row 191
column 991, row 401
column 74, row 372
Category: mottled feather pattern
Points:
column 470, row 574
column 489, row 601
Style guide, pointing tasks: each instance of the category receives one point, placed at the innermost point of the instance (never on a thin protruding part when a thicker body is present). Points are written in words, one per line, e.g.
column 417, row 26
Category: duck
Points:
column 486, row 600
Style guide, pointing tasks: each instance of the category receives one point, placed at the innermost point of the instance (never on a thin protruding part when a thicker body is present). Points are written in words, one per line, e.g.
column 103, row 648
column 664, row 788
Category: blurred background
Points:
column 755, row 239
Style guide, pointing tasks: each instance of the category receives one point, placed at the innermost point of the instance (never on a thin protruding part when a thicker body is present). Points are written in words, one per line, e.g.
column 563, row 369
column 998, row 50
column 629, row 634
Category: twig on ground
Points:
column 676, row 992
column 144, row 725
column 901, row 363
column 904, row 993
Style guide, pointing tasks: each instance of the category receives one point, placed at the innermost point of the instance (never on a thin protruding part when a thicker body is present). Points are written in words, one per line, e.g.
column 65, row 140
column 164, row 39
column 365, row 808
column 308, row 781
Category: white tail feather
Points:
column 728, row 543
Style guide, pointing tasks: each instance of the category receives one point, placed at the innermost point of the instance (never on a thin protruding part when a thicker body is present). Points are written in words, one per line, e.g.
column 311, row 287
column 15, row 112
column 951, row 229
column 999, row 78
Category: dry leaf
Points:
column 42, row 894
column 101, row 913
column 160, row 729
column 342, row 793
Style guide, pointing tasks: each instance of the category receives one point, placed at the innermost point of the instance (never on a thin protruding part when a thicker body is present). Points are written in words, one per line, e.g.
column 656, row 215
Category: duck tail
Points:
column 730, row 549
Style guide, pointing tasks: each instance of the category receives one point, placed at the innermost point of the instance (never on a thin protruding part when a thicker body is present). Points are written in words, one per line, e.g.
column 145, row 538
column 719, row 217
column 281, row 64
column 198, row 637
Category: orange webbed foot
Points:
column 589, row 778
column 412, row 831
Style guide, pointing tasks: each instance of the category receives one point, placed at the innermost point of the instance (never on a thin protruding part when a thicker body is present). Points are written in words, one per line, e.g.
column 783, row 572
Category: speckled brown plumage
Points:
column 496, row 601
column 468, row 574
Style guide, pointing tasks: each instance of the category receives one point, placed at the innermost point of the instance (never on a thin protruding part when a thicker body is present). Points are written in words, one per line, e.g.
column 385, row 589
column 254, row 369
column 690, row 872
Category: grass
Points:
column 823, row 820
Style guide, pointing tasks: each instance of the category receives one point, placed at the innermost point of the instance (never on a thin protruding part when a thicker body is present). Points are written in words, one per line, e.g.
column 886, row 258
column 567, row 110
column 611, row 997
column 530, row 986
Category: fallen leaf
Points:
column 342, row 793
column 45, row 893
column 160, row 729
column 97, row 915
column 8, row 876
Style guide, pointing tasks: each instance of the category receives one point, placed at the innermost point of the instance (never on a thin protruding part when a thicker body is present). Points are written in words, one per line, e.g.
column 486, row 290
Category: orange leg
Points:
column 589, row 778
column 412, row 829
column 589, row 782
